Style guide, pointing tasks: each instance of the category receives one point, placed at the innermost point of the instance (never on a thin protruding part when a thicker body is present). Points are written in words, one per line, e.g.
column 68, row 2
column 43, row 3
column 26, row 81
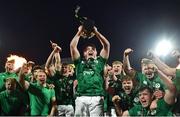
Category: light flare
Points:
column 18, row 61
column 163, row 48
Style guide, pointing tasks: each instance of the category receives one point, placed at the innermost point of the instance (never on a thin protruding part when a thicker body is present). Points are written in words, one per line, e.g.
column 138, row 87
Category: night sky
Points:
column 26, row 26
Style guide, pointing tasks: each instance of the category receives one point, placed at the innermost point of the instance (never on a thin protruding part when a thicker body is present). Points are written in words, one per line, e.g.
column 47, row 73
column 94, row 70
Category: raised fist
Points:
column 80, row 29
column 58, row 49
column 53, row 44
column 128, row 51
column 116, row 99
column 95, row 29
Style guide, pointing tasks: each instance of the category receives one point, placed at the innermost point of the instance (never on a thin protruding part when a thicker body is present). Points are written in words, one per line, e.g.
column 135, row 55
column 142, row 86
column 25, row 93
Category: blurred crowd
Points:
column 90, row 86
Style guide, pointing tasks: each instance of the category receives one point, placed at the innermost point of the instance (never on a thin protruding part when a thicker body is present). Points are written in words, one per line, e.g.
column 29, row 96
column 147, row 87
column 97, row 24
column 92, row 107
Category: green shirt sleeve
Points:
column 77, row 61
column 33, row 89
column 52, row 93
column 177, row 73
column 103, row 60
column 163, row 109
column 134, row 111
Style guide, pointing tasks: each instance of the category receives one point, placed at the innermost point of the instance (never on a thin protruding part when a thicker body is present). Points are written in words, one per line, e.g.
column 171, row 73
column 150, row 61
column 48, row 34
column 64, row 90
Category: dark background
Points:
column 26, row 26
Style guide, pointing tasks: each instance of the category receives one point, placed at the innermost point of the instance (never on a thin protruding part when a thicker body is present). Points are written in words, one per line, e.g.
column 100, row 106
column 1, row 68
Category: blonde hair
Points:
column 146, row 61
column 116, row 62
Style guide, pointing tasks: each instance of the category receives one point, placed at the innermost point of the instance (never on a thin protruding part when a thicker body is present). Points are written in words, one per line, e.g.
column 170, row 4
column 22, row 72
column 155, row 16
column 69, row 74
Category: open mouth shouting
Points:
column 144, row 102
column 90, row 53
column 149, row 75
column 42, row 80
column 127, row 89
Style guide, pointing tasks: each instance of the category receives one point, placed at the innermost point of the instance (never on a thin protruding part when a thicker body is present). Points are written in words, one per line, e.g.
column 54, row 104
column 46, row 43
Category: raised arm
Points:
column 50, row 58
column 115, row 100
column 22, row 82
column 126, row 63
column 108, row 75
column 104, row 42
column 73, row 45
column 54, row 54
column 57, row 58
column 176, row 54
column 54, row 107
column 106, row 78
column 161, row 65
column 170, row 92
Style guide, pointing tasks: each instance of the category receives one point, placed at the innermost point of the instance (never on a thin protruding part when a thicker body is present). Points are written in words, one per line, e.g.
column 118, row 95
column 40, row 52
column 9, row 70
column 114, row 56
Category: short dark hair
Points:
column 144, row 87
column 42, row 70
column 12, row 80
column 87, row 45
column 64, row 64
column 36, row 67
column 127, row 78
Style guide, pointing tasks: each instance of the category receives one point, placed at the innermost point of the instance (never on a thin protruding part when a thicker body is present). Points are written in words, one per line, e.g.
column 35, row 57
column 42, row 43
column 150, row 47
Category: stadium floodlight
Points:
column 163, row 48
column 19, row 61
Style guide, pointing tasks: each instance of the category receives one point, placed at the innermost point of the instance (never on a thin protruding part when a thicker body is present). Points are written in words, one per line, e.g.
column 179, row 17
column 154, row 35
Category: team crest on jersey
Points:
column 153, row 112
column 145, row 82
column 96, row 61
column 70, row 81
column 157, row 85
column 136, row 99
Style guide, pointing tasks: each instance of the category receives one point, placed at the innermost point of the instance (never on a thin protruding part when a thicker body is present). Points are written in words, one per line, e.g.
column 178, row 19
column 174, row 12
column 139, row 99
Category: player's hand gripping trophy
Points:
column 88, row 25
